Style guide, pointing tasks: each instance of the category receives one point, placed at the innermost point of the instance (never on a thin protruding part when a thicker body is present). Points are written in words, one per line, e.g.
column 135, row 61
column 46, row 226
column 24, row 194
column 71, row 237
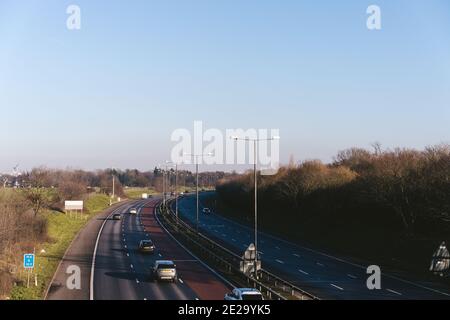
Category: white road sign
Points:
column 73, row 205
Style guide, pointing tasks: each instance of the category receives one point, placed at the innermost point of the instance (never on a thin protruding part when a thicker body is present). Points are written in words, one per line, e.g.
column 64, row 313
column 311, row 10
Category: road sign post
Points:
column 28, row 264
column 440, row 264
column 77, row 206
column 250, row 264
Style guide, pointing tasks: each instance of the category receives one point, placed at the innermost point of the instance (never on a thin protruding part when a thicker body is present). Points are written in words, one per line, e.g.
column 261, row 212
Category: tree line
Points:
column 390, row 203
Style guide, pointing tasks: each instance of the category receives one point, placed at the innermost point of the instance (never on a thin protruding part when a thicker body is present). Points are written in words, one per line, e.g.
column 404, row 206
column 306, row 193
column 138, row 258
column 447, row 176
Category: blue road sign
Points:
column 28, row 260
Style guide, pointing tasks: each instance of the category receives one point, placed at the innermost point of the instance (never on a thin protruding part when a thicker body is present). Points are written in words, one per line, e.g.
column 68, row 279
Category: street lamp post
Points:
column 166, row 185
column 196, row 156
column 255, row 179
column 176, row 191
column 113, row 188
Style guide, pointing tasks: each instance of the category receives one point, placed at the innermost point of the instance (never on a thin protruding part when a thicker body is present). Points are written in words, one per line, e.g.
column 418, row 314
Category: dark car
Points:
column 146, row 246
column 117, row 216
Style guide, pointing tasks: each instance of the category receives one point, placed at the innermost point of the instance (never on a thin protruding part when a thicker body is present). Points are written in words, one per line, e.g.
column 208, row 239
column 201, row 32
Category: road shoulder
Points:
column 78, row 255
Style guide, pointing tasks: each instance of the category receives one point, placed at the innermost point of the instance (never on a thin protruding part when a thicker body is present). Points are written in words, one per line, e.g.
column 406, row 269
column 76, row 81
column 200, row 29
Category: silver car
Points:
column 244, row 294
column 164, row 270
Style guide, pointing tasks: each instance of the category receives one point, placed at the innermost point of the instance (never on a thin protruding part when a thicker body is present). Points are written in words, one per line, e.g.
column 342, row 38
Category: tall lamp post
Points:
column 255, row 179
column 196, row 157
column 113, row 187
column 165, row 183
column 163, row 187
column 176, row 185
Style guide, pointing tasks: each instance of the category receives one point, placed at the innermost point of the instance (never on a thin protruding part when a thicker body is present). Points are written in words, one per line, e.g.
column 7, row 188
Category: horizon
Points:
column 238, row 169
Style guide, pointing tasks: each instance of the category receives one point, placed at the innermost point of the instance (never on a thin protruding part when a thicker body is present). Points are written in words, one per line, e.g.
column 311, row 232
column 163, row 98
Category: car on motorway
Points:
column 146, row 246
column 164, row 270
column 133, row 211
column 206, row 210
column 244, row 294
column 117, row 216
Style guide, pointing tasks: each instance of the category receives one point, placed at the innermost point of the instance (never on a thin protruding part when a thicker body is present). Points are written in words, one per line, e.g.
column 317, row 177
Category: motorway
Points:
column 322, row 274
column 113, row 269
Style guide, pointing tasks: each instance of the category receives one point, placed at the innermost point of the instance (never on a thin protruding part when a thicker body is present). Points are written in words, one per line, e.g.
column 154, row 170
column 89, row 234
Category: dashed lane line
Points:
column 337, row 287
column 304, row 272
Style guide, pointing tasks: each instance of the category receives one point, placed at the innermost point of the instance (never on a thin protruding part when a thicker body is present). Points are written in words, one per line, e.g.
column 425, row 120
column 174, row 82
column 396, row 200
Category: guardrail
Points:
column 273, row 286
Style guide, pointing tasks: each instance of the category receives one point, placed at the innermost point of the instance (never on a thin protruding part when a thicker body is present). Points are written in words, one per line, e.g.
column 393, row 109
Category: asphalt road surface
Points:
column 117, row 271
column 321, row 274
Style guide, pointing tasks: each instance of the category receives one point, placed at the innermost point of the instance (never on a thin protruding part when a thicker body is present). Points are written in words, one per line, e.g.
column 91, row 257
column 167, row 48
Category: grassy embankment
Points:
column 61, row 230
column 136, row 193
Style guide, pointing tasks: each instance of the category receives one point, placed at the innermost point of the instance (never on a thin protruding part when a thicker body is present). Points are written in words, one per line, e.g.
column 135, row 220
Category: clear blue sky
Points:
column 111, row 93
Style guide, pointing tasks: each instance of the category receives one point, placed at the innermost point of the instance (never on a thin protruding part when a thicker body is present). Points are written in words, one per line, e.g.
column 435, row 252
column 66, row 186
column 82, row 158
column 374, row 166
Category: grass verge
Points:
column 136, row 193
column 62, row 229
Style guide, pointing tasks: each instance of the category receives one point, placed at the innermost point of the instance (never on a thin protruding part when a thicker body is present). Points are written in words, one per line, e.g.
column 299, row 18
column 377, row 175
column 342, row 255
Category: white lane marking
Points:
column 91, row 284
column 304, row 272
column 181, row 281
column 320, row 264
column 395, row 292
column 224, row 235
column 296, row 255
column 132, row 267
column 160, row 254
column 337, row 287
column 128, row 254
column 137, row 281
column 125, row 246
column 279, row 261
column 234, row 240
column 278, row 248
column 351, row 276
